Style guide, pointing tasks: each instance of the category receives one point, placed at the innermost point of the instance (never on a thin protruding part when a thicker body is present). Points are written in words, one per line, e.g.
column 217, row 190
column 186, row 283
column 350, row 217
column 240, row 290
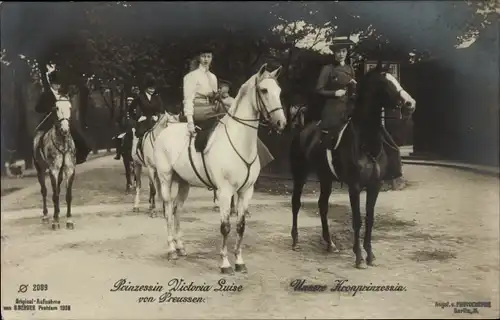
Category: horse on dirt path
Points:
column 143, row 157
column 229, row 161
column 54, row 152
column 360, row 157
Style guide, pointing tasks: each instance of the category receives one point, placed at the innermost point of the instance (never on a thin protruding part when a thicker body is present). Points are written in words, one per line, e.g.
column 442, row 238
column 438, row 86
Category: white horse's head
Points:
column 63, row 115
column 265, row 91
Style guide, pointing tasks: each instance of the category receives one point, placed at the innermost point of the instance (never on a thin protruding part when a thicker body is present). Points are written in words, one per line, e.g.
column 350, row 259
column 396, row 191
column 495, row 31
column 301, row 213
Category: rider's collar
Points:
column 203, row 68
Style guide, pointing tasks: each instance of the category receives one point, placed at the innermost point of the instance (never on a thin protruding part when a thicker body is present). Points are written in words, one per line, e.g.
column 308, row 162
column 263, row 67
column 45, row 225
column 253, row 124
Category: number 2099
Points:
column 40, row 287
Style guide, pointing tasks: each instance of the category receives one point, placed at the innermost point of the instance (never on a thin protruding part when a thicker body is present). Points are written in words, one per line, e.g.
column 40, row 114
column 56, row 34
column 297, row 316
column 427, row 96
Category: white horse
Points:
column 231, row 161
column 143, row 156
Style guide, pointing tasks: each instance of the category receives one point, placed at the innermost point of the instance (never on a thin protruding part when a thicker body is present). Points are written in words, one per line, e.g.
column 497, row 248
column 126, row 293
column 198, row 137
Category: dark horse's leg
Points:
column 354, row 191
column 118, row 146
column 126, row 153
column 324, row 197
column 127, row 163
column 299, row 166
column 371, row 199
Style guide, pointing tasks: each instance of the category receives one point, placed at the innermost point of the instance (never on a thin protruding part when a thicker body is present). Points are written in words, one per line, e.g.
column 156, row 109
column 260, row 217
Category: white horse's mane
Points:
column 245, row 87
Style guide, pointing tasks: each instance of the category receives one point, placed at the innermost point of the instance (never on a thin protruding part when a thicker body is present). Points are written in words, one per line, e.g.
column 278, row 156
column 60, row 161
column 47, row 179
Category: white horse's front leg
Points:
column 225, row 226
column 167, row 184
column 243, row 202
column 179, row 203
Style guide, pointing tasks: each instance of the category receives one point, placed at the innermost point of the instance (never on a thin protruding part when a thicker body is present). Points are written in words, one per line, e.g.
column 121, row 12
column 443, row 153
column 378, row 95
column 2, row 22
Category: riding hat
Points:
column 149, row 81
column 205, row 48
column 341, row 43
column 55, row 77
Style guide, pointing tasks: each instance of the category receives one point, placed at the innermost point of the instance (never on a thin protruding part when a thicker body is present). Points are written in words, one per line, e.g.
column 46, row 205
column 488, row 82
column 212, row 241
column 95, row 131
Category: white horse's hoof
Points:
column 172, row 255
column 240, row 268
column 135, row 209
column 227, row 270
column 181, row 252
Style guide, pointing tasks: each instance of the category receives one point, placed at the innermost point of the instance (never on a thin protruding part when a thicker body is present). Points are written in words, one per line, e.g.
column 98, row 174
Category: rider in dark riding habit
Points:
column 337, row 85
column 146, row 108
column 46, row 104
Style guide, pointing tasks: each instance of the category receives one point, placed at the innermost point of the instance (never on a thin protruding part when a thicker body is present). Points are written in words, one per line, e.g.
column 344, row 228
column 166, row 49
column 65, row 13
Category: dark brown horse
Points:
column 359, row 157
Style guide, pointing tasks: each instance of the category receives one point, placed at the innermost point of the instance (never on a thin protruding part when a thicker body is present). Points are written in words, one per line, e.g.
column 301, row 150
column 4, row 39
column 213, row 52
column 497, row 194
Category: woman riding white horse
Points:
column 229, row 160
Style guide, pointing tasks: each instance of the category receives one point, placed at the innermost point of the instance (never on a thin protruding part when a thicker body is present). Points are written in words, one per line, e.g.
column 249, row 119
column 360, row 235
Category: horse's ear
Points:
column 262, row 70
column 276, row 73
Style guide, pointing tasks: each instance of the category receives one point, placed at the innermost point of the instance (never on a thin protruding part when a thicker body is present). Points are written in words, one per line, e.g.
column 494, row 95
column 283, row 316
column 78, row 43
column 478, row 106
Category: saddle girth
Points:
column 140, row 145
column 209, row 184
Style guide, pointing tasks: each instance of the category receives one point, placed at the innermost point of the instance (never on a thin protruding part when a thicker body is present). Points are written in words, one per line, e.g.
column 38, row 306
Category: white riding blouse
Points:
column 197, row 83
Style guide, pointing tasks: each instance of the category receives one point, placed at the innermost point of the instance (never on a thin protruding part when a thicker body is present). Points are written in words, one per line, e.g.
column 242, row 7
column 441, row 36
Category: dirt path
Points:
column 438, row 238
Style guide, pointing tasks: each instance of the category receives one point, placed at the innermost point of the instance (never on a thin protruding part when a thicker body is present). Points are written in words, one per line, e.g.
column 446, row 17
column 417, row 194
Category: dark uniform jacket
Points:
column 333, row 78
column 142, row 106
column 46, row 103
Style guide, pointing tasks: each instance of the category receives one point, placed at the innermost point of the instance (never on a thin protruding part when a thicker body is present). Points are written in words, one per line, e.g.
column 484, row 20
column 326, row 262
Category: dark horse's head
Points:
column 379, row 89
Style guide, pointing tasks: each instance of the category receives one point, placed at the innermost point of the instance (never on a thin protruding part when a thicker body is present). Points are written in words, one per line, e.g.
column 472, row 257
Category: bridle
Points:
column 261, row 108
column 300, row 111
column 59, row 120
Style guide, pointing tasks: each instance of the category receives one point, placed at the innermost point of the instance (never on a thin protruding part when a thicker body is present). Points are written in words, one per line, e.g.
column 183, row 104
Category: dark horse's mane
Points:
column 364, row 103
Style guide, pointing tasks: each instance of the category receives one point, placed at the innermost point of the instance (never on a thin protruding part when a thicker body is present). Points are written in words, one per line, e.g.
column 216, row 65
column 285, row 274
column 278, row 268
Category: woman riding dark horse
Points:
column 54, row 91
column 337, row 86
column 357, row 154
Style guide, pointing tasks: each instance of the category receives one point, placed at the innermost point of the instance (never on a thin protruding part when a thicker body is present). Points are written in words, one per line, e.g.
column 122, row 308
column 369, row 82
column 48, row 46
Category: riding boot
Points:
column 118, row 145
column 394, row 168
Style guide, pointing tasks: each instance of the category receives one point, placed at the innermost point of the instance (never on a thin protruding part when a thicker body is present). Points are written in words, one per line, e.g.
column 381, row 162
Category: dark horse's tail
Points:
column 302, row 151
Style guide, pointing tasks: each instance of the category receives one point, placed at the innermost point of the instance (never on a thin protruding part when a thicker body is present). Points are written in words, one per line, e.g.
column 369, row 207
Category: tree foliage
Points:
column 119, row 42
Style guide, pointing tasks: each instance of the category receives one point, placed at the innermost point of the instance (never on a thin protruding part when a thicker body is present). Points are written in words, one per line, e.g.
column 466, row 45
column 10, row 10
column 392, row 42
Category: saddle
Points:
column 207, row 127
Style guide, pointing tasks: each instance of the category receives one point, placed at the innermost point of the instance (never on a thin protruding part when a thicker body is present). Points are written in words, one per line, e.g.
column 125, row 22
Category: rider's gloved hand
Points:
column 191, row 127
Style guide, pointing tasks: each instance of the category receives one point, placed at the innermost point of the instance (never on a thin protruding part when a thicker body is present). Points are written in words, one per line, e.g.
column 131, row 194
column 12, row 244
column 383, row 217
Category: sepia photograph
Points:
column 250, row 160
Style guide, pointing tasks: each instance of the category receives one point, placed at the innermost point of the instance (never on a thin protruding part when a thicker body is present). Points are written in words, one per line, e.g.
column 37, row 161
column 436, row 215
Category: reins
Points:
column 261, row 109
